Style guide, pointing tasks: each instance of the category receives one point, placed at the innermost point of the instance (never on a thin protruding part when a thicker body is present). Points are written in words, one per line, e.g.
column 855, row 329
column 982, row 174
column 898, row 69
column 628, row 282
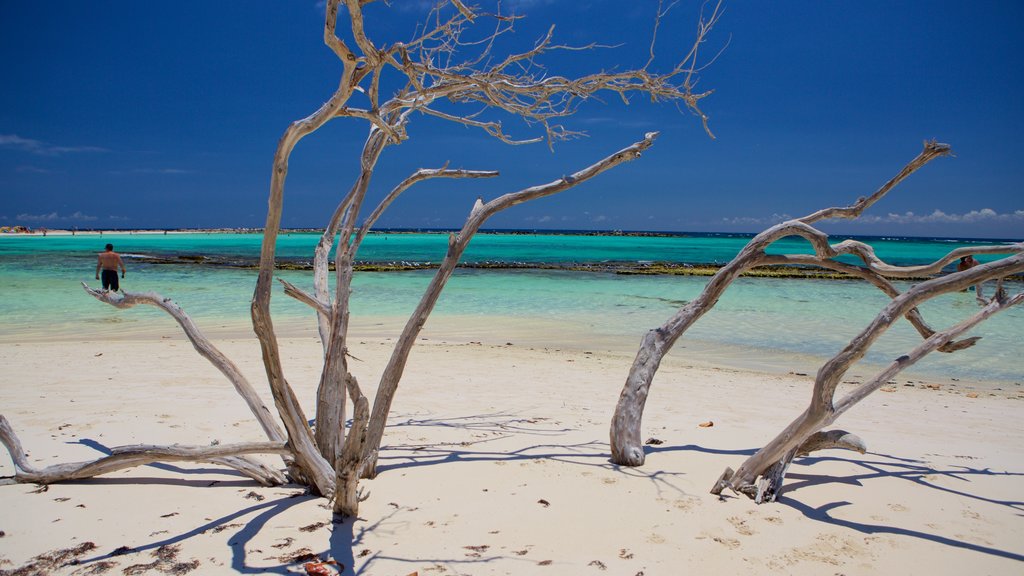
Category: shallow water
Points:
column 757, row 318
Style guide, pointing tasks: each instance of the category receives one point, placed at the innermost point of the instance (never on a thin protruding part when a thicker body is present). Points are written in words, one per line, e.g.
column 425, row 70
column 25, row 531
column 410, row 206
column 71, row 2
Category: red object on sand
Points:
column 317, row 569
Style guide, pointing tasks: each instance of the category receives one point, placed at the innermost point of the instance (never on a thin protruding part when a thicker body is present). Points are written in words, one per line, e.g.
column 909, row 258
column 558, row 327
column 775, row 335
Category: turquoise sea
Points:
column 761, row 321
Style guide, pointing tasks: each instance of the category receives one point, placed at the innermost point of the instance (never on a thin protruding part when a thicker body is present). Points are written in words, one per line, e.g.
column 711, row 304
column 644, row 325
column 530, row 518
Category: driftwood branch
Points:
column 773, row 460
column 418, row 176
column 831, row 439
column 203, row 346
column 882, row 283
column 770, row 462
column 308, row 457
column 625, row 434
column 305, row 297
column 122, row 457
column 457, row 244
column 932, row 150
column 768, row 485
column 441, row 73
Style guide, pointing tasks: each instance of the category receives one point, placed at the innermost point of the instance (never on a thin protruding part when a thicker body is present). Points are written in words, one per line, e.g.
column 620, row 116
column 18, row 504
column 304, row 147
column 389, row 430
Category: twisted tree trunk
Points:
column 801, row 437
column 439, row 74
column 457, row 244
column 822, row 411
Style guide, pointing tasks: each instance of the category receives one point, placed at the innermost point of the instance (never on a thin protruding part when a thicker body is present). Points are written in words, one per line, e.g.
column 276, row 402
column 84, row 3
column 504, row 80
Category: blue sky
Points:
column 166, row 114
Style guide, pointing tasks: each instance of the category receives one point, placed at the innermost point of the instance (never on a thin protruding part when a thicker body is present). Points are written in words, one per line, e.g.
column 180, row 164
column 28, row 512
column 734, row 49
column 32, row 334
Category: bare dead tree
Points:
column 805, row 434
column 444, row 72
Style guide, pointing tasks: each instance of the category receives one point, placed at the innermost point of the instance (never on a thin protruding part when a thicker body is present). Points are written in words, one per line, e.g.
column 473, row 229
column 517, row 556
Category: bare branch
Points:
column 203, row 346
column 466, row 12
column 662, row 11
column 330, row 36
column 355, row 14
column 492, row 128
column 625, row 427
column 830, row 440
column 308, row 459
column 821, row 411
column 141, row 454
column 882, row 283
column 396, row 135
column 932, row 150
column 305, row 297
column 936, row 341
column 457, row 244
column 418, row 176
column 867, row 254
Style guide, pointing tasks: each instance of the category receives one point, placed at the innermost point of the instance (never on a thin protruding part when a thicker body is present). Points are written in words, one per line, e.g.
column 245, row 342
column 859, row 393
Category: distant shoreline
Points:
column 496, row 232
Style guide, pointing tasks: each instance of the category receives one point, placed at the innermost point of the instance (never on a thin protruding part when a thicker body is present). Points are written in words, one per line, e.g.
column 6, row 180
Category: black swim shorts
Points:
column 110, row 280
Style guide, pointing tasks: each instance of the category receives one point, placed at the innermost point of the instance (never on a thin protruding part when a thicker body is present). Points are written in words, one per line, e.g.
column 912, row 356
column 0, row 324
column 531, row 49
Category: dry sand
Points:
column 496, row 462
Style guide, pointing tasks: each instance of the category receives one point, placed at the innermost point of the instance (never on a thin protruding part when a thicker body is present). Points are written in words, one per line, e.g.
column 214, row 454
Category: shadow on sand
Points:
column 916, row 471
column 347, row 535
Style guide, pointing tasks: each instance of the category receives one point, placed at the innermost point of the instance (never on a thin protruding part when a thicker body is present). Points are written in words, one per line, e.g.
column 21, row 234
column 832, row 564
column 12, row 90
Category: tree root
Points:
column 768, row 485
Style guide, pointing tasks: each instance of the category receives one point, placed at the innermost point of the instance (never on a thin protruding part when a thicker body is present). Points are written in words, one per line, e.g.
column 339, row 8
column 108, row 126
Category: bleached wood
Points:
column 349, row 466
column 331, row 390
column 457, row 244
column 308, row 458
column 203, row 346
column 123, row 457
column 434, row 79
column 625, row 434
column 821, row 412
column 305, row 297
column 520, row 93
column 883, row 284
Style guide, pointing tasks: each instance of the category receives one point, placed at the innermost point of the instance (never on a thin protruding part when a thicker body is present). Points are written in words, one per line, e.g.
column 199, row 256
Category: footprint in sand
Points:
column 730, row 543
column 741, row 526
column 656, row 539
column 686, row 503
column 970, row 514
column 897, row 507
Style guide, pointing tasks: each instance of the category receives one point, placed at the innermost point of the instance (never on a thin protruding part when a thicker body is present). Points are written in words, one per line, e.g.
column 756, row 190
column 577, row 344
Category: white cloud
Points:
column 40, row 148
column 939, row 217
column 32, row 170
column 55, row 217
column 765, row 221
column 935, row 217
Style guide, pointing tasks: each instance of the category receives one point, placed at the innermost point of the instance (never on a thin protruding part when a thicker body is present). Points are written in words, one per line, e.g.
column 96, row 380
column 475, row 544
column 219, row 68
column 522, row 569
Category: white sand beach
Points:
column 496, row 462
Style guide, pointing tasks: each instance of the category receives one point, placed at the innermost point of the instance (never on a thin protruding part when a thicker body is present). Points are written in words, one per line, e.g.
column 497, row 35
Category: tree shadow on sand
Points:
column 916, row 471
column 347, row 535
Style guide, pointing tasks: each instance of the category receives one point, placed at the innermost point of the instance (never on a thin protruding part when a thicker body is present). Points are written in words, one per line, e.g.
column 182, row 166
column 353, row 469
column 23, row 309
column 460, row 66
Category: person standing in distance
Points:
column 108, row 262
column 966, row 263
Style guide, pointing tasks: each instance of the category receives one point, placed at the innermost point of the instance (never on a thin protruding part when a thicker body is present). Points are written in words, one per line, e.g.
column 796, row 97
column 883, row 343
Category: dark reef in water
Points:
column 624, row 268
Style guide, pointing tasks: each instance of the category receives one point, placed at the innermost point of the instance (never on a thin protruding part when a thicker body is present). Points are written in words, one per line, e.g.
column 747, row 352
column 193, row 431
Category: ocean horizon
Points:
column 484, row 231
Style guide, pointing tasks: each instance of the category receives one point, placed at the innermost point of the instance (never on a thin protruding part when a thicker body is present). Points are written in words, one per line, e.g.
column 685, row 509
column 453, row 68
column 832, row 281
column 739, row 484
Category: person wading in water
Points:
column 108, row 262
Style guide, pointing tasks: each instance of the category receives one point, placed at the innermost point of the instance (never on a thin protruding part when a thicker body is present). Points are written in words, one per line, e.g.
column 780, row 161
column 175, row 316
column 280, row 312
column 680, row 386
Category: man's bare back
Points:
column 109, row 262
